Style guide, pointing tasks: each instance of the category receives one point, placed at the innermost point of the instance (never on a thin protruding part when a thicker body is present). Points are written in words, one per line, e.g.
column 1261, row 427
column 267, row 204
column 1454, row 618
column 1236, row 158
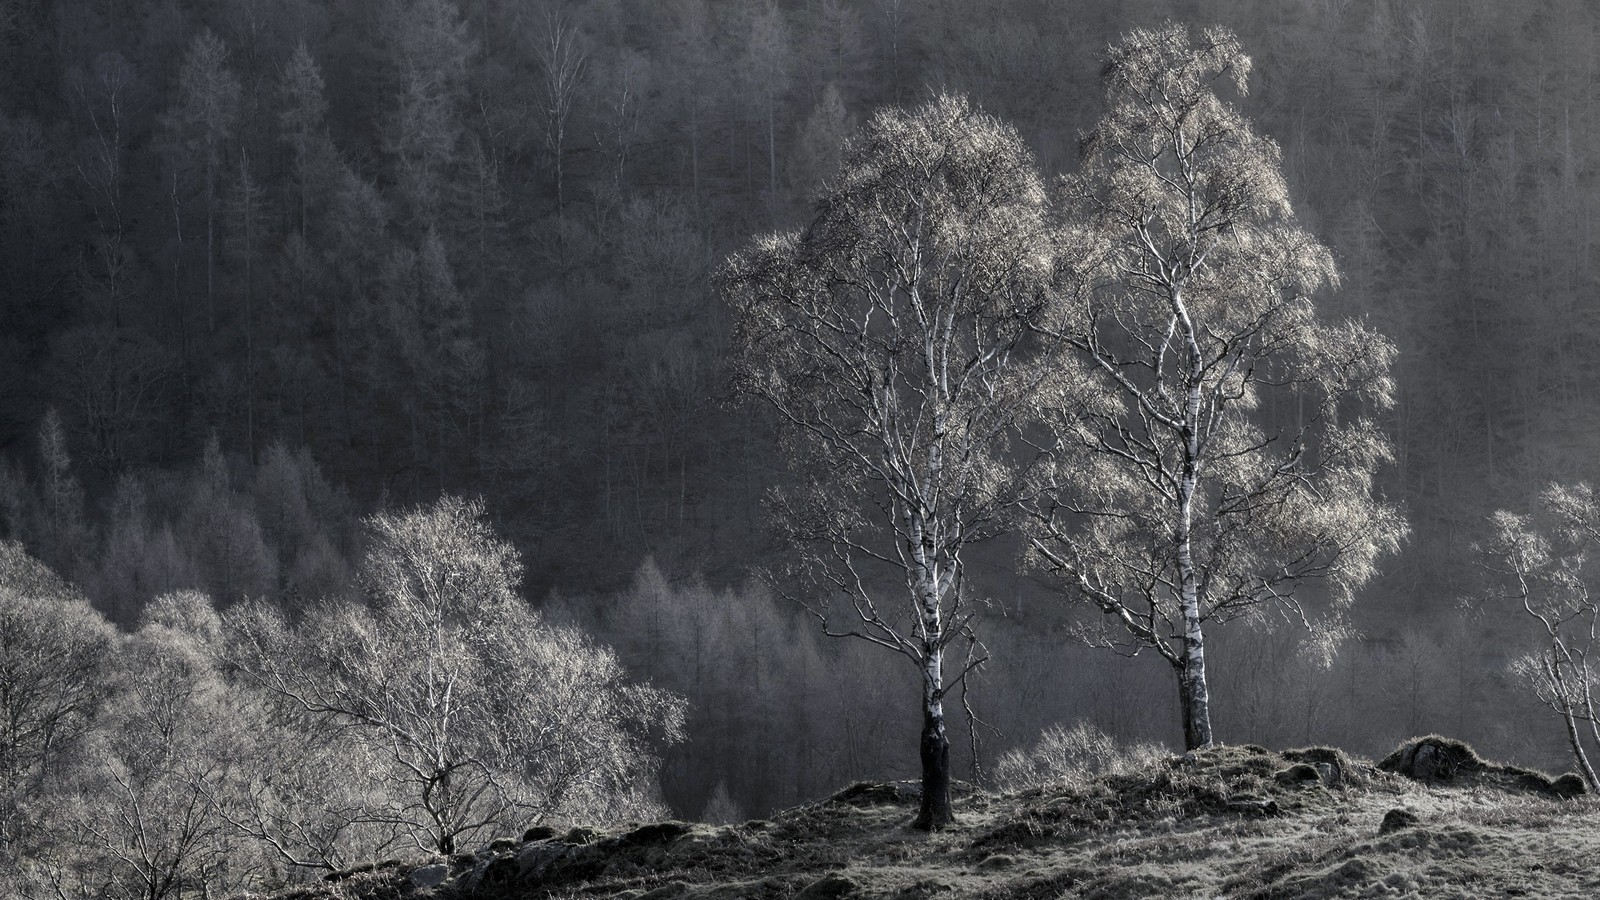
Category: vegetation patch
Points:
column 1228, row 821
column 875, row 793
column 1440, row 761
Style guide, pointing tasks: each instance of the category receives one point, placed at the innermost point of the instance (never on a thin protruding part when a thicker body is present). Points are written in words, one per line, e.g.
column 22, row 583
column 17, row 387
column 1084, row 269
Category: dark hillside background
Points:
column 268, row 266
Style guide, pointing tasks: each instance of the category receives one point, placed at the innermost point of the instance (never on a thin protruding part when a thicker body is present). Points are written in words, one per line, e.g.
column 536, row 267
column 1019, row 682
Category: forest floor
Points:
column 1431, row 820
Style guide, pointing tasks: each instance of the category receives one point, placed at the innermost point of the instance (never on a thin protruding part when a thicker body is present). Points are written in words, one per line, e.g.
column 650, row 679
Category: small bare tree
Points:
column 1210, row 454
column 1538, row 561
column 562, row 60
column 892, row 339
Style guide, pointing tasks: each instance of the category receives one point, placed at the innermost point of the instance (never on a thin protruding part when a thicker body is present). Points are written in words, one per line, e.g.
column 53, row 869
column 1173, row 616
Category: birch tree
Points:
column 891, row 339
column 475, row 714
column 1538, row 562
column 1214, row 445
column 561, row 61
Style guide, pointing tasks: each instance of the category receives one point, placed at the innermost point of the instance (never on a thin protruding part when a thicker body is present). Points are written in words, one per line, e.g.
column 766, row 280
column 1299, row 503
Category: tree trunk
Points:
column 1194, row 698
column 211, row 241
column 694, row 163
column 935, row 812
column 772, row 160
column 1569, row 715
column 1195, row 695
column 249, row 336
column 1578, row 754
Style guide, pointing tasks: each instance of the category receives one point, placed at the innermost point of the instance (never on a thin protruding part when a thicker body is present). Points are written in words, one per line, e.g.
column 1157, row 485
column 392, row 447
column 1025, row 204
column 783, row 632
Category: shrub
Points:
column 1073, row 754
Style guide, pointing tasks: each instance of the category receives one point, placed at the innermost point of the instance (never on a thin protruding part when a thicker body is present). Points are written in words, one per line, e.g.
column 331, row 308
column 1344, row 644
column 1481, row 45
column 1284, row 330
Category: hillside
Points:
column 1430, row 820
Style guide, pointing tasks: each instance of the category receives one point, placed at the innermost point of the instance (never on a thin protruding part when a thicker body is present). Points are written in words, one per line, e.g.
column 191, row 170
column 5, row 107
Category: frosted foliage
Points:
column 479, row 716
column 1536, row 563
column 892, row 338
column 721, row 809
column 54, row 650
column 1192, row 315
column 886, row 335
column 128, row 809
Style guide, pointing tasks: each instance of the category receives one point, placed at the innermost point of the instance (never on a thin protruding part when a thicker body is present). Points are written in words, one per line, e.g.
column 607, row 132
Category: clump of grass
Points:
column 1073, row 756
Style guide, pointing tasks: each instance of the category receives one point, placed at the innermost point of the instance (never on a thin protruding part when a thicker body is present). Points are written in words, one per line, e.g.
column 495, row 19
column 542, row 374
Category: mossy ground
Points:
column 1228, row 822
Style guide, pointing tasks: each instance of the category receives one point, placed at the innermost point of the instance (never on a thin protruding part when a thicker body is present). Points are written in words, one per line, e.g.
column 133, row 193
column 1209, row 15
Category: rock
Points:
column 1433, row 759
column 430, row 876
column 1298, row 775
column 536, row 859
column 1569, row 785
column 828, row 887
column 535, row 862
column 1396, row 819
column 1331, row 764
column 873, row 793
column 1436, row 761
column 1253, row 806
column 657, row 833
column 364, row 868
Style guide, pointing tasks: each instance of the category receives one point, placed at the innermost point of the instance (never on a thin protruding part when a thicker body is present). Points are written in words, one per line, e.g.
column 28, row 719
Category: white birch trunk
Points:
column 1195, row 697
column 935, row 743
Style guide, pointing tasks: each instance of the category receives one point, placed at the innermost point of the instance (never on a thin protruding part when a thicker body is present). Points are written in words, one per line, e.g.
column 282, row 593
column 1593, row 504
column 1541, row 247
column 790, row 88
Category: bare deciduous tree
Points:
column 1184, row 491
column 892, row 339
column 53, row 655
column 562, row 60
column 131, row 816
column 1538, row 561
column 476, row 711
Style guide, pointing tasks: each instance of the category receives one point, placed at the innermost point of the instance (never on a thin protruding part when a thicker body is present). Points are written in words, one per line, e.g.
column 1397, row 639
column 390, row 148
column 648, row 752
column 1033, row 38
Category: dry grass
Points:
column 1230, row 822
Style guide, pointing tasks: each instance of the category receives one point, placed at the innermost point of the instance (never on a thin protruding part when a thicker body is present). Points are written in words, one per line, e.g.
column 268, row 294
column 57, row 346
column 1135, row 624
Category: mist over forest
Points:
column 291, row 289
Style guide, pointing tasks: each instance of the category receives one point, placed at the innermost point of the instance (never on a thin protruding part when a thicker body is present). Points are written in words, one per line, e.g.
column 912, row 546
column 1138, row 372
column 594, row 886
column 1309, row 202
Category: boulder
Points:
column 430, row 876
column 1396, row 819
column 1433, row 759
column 1298, row 775
column 874, row 793
column 656, row 833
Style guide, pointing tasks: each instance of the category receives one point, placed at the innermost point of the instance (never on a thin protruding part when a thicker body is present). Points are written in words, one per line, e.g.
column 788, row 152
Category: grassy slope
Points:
column 1232, row 822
